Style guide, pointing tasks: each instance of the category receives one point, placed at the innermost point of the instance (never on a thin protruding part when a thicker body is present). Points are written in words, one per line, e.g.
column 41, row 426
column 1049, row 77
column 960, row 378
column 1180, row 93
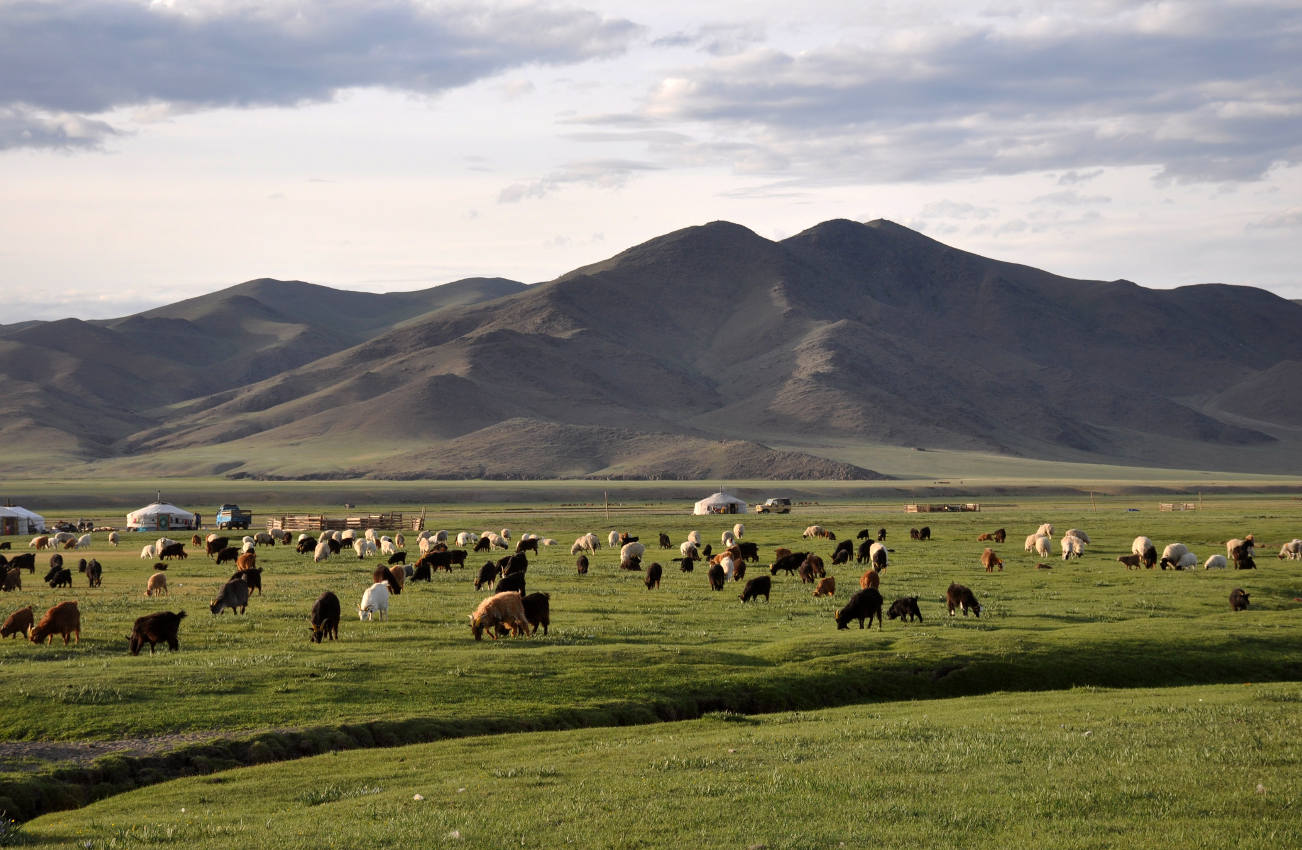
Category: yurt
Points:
column 15, row 520
column 719, row 503
column 160, row 516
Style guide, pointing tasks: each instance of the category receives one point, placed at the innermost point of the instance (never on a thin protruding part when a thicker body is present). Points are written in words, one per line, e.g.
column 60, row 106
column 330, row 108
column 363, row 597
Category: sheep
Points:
column 160, row 626
column 387, row 546
column 924, row 533
column 234, row 595
column 863, row 604
column 729, row 566
column 847, row 546
column 632, row 550
column 583, row 544
column 538, row 611
column 1215, row 562
column 399, row 541
column 631, row 564
column 527, row 544
column 215, row 544
column 306, row 543
column 841, row 556
column 25, row 561
column 547, row 541
column 653, row 573
column 1072, row 547
column 114, row 539
column 985, row 537
column 789, row 563
column 612, row 539
column 19, row 622
column 321, row 552
column 1238, row 599
column 487, row 575
column 811, row 568
column 1000, row 535
column 83, row 542
column 505, row 534
column 375, row 602
column 877, row 555
column 370, row 535
column 393, row 578
column 40, row 542
column 63, row 619
column 496, row 540
column 905, row 609
column 162, row 543
column 397, row 558
column 58, row 577
column 694, row 537
column 739, row 530
column 246, row 560
column 1172, row 554
column 517, row 563
column 755, row 588
column 324, row 621
column 262, row 538
column 990, row 560
column 56, row 561
column 504, row 609
column 157, row 584
column 715, row 576
column 1045, row 529
column 1245, row 563
column 826, row 587
column 511, row 581
column 958, row 596
column 1291, row 550
column 1246, row 543
column 1044, row 546
column 363, row 548
column 1030, row 542
column 727, row 538
column 688, row 550
column 147, row 551
column 1143, row 547
column 173, row 550
column 441, row 536
column 465, row 538
column 1131, row 561
column 813, row 531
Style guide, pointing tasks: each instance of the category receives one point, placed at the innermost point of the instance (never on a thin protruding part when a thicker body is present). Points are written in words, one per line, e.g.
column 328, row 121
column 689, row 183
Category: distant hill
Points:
column 683, row 357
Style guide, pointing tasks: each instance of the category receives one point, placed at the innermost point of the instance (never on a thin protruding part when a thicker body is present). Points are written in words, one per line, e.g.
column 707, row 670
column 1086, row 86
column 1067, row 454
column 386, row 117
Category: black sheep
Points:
column 755, row 588
column 325, row 617
column 512, row 581
column 863, row 535
column 881, row 535
column 789, row 563
column 905, row 609
column 864, row 554
column 252, row 577
column 537, row 610
column 219, row 543
column 59, row 577
column 397, row 558
column 530, row 545
column 306, row 546
column 487, row 575
column 864, row 604
column 749, row 551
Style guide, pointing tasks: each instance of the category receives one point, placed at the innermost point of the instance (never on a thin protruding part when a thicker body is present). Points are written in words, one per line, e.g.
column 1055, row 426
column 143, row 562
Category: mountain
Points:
column 687, row 356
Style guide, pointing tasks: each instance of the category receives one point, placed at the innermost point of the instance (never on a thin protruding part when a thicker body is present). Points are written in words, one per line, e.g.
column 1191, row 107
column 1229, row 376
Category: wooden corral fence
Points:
column 320, row 522
column 1177, row 506
column 933, row 509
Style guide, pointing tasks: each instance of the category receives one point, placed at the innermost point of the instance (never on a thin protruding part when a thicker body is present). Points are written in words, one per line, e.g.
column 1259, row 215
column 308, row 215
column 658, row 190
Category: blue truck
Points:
column 230, row 516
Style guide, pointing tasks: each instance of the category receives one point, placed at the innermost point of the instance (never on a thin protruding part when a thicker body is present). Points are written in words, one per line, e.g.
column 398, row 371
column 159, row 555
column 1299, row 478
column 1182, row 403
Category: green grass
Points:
column 620, row 654
column 1182, row 767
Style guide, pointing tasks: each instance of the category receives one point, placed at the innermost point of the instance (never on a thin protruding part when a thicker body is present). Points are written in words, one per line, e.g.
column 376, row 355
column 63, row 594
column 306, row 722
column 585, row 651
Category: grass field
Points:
column 618, row 653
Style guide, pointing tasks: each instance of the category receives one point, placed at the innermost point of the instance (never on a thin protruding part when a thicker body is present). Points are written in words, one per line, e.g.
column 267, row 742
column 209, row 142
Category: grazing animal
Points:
column 748, row 551
column 325, row 617
column 863, row 534
column 382, row 574
column 1072, row 547
column 11, row 578
column 864, row 604
column 653, row 573
column 147, row 551
column 1215, row 562
column 847, row 546
column 39, row 543
column 6, row 545
column 817, row 531
column 581, row 564
column 716, row 577
column 755, row 588
column 398, row 557
column 155, row 628
column 25, row 561
column 982, row 538
column 1291, row 550
column 806, row 572
column 157, row 584
column 1172, row 554
column 1245, row 563
column 59, row 577
column 686, row 565
column 230, row 553
column 694, row 538
column 613, row 539
column 517, row 563
column 1078, row 534
column 537, row 611
column 526, row 544
column 1131, row 561
column 306, row 543
column 631, row 550
column 789, row 563
column 1238, row 599
column 421, row 572
column 841, row 556
column 173, row 550
column 56, row 561
column 913, row 534
column 706, row 550
column 960, row 597
column 375, row 602
column 483, row 544
column 924, row 533
column 1045, row 529
column 780, row 553
column 727, row 538
column 1144, row 548
column 94, row 572
column 19, row 622
column 877, row 555
column 1241, row 554
column 246, row 561
column 631, row 564
column 739, row 530
column 870, row 578
column 63, row 619
column 1044, row 546
column 905, row 609
column 252, row 577
column 234, row 595
column 990, row 560
column 504, row 609
column 826, row 587
column 1000, row 535
column 665, row 543
column 487, row 575
column 688, row 549
column 514, row 581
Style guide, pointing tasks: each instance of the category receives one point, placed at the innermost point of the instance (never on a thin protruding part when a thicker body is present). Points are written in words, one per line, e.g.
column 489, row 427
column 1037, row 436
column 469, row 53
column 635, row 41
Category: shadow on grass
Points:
column 822, row 683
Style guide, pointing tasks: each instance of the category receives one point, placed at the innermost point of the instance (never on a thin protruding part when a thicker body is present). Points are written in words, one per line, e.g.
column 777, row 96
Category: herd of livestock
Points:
column 510, row 610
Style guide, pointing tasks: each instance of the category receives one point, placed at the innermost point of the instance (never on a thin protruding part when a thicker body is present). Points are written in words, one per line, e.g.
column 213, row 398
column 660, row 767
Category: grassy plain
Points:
column 618, row 653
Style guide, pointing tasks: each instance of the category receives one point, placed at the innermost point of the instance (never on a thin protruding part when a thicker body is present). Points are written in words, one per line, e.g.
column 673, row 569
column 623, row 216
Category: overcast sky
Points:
column 154, row 151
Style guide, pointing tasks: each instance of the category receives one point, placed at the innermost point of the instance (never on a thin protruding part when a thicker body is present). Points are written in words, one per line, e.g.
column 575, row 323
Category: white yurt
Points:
column 719, row 503
column 16, row 520
column 160, row 516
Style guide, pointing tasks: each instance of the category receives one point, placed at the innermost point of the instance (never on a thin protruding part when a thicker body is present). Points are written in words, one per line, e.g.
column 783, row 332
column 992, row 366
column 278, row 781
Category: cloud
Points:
column 88, row 57
column 1287, row 220
column 1071, row 178
column 721, row 39
column 1213, row 93
column 600, row 173
column 956, row 209
column 27, row 128
column 1071, row 198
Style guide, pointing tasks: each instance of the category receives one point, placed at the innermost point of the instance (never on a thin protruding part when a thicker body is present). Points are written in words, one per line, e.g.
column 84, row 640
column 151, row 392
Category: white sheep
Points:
column 631, row 551
column 583, row 543
column 1030, row 541
column 348, row 536
column 547, row 541
column 247, row 546
column 440, row 536
column 425, row 544
column 877, row 555
column 386, row 545
column 1291, row 550
column 322, row 552
column 466, row 538
column 729, row 567
column 1187, row 561
column 687, row 549
column 1172, row 554
column 694, row 537
column 497, row 540
column 1141, row 545
column 212, row 535
column 375, row 602
column 369, row 534
column 1044, row 545
column 813, row 531
column 399, row 541
column 83, row 542
column 506, row 533
column 113, row 539
column 727, row 538
column 1045, row 529
column 612, row 539
column 1072, row 546
column 1078, row 534
column 162, row 543
column 63, row 537
column 264, row 539
column 149, row 552
column 739, row 530
column 1215, row 562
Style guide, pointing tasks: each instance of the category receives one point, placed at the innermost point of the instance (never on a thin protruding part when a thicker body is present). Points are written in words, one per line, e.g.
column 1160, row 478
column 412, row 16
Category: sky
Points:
column 153, row 151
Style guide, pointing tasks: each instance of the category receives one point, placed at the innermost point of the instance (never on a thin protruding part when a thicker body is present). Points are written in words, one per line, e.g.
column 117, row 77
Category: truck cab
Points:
column 230, row 516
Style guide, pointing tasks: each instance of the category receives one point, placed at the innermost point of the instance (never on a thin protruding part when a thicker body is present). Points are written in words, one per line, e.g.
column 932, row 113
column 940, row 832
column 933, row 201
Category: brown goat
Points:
column 990, row 560
column 63, row 619
column 870, row 578
column 1131, row 561
column 245, row 560
column 826, row 587
column 19, row 621
column 157, row 585
column 506, row 609
column 159, row 627
column 12, row 580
